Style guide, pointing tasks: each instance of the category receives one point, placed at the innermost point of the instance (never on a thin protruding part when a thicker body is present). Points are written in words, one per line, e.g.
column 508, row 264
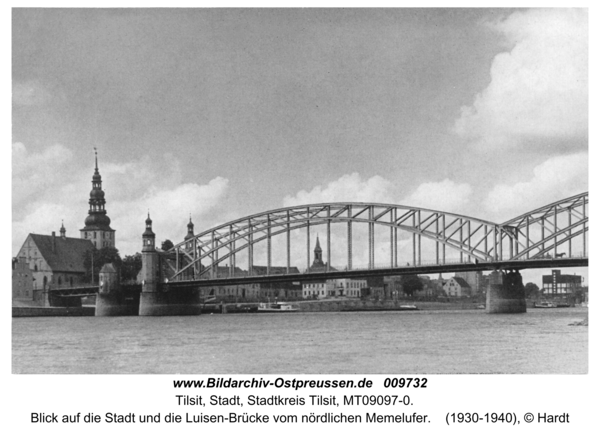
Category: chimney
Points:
column 54, row 241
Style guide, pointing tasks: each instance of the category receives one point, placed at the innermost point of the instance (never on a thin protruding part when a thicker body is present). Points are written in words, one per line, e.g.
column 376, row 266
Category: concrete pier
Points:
column 111, row 300
column 178, row 302
column 506, row 293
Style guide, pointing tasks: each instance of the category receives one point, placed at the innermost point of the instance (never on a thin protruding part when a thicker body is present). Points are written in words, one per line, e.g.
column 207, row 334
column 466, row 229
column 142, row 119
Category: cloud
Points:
column 538, row 93
column 37, row 174
column 349, row 188
column 169, row 209
column 556, row 178
column 49, row 187
column 445, row 195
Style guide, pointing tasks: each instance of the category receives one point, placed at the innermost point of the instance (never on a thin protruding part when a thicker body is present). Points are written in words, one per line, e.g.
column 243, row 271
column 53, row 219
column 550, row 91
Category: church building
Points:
column 57, row 261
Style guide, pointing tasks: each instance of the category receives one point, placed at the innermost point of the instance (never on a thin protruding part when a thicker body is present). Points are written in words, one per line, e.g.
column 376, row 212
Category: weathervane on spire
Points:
column 96, row 154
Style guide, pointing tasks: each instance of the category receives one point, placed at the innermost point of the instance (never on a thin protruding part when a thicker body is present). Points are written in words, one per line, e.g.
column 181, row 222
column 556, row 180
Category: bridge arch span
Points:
column 473, row 239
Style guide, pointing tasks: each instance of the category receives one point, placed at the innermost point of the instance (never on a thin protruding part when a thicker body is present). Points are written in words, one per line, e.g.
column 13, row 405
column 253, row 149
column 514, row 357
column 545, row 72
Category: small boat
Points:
column 277, row 307
column 544, row 305
column 408, row 307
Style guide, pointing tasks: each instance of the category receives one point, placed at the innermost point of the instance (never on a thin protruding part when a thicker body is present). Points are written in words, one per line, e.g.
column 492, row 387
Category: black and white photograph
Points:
column 270, row 192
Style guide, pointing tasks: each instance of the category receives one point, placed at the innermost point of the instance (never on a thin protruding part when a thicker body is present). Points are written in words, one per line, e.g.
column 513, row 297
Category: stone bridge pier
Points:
column 506, row 293
column 156, row 299
column 111, row 300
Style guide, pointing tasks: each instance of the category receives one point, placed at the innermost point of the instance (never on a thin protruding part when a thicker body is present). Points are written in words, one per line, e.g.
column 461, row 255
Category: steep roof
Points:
column 462, row 282
column 67, row 254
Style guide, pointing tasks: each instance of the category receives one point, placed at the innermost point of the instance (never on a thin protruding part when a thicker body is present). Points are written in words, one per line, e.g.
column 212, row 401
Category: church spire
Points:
column 97, row 218
column 97, row 224
column 318, row 261
column 63, row 231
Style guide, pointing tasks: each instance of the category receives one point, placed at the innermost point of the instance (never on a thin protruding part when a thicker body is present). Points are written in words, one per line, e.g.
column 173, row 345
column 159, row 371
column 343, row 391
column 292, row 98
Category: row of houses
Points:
column 307, row 290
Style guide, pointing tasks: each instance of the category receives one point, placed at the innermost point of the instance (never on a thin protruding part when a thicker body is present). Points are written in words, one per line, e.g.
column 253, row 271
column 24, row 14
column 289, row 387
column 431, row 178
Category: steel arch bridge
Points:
column 553, row 235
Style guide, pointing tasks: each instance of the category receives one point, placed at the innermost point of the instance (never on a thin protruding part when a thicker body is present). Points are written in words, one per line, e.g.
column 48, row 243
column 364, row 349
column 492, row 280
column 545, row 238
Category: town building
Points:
column 55, row 261
column 560, row 284
column 475, row 279
column 22, row 280
column 327, row 288
column 457, row 287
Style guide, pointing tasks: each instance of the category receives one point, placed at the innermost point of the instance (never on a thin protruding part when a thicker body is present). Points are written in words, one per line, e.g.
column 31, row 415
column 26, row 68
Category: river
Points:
column 423, row 342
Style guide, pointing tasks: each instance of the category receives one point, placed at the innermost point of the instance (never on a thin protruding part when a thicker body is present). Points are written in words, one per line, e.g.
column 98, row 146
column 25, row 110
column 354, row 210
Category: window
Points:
column 94, row 234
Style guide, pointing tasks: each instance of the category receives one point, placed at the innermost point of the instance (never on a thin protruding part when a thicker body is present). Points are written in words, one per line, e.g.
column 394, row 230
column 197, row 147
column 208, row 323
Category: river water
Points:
column 424, row 342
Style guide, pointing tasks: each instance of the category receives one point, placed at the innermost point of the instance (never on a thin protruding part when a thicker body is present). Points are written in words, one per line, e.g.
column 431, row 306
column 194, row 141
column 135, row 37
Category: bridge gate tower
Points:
column 156, row 299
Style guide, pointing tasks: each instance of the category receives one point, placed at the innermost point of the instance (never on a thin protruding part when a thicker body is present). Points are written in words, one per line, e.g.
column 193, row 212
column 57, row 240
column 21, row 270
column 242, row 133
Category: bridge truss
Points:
column 557, row 230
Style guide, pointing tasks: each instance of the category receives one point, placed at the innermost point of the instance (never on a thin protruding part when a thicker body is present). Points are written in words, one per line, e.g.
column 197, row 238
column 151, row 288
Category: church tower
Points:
column 318, row 261
column 97, row 224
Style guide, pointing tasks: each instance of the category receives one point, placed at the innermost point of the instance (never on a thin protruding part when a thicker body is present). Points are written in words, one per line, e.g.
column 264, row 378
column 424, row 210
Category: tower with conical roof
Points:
column 189, row 237
column 97, row 224
column 149, row 237
column 318, row 261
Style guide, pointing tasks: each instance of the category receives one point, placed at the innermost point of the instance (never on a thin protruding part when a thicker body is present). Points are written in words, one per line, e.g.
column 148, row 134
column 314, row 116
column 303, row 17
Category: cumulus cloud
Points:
column 445, row 195
column 169, row 210
column 349, row 188
column 35, row 174
column 538, row 93
column 48, row 187
column 556, row 178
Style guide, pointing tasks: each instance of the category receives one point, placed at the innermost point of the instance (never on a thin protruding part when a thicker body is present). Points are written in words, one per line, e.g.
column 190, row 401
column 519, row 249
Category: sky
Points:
column 222, row 113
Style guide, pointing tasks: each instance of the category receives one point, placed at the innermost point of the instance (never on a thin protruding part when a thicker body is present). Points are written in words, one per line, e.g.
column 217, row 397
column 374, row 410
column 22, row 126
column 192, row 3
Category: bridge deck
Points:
column 423, row 269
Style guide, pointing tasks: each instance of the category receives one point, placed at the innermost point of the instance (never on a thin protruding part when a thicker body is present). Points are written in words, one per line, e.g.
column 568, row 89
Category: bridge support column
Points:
column 111, row 300
column 156, row 299
column 185, row 301
column 506, row 293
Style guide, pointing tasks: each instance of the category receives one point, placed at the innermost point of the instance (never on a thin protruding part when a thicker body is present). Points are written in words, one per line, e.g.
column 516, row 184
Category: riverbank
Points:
column 379, row 305
column 332, row 305
column 27, row 311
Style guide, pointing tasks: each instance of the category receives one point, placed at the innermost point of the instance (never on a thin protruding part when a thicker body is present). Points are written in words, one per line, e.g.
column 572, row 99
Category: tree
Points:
column 131, row 266
column 410, row 284
column 97, row 259
column 166, row 245
column 531, row 290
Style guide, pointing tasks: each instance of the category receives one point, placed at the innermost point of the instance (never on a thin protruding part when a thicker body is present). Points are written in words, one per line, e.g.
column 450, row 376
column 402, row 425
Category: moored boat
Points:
column 277, row 307
column 544, row 305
